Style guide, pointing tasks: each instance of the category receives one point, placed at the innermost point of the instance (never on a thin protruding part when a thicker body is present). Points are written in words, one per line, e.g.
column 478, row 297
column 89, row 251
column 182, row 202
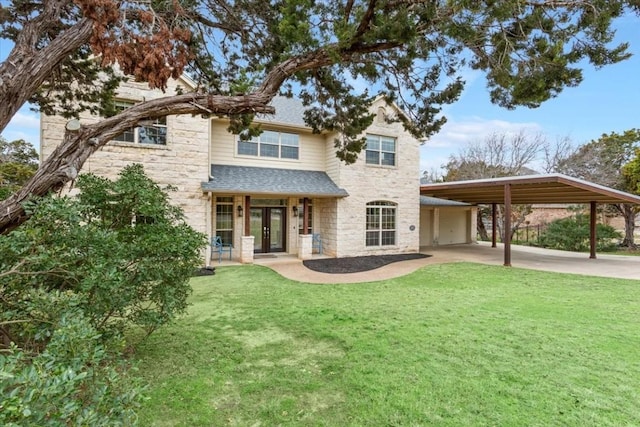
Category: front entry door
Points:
column 268, row 229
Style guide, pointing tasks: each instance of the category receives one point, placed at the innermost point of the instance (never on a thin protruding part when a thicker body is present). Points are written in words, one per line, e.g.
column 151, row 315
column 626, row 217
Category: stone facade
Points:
column 193, row 144
column 367, row 183
column 182, row 162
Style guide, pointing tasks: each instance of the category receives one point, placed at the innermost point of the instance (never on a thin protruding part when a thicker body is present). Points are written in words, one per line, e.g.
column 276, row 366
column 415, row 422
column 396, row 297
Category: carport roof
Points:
column 549, row 188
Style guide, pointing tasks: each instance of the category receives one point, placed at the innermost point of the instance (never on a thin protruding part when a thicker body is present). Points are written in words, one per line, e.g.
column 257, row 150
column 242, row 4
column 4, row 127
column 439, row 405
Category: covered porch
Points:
column 268, row 212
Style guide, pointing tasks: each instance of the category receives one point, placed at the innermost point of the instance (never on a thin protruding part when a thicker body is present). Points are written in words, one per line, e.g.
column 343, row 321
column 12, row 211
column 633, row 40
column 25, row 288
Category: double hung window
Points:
column 381, row 150
column 151, row 131
column 381, row 224
column 279, row 145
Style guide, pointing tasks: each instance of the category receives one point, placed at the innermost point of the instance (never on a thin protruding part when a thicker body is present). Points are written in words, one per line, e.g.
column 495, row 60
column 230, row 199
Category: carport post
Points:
column 507, row 225
column 494, row 219
column 592, row 230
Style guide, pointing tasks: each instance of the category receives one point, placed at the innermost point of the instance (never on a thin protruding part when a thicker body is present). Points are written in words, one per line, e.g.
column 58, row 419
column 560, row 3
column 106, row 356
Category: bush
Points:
column 573, row 234
column 72, row 278
column 121, row 246
column 73, row 379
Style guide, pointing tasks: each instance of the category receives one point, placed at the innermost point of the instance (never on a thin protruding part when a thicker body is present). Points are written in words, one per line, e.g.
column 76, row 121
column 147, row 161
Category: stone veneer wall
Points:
column 366, row 183
column 326, row 215
column 182, row 163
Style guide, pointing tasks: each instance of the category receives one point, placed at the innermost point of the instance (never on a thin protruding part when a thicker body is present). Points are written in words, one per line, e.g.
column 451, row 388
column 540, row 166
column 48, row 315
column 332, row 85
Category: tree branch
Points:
column 24, row 61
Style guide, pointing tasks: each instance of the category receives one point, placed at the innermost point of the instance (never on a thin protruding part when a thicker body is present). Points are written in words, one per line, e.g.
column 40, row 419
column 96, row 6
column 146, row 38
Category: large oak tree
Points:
column 241, row 53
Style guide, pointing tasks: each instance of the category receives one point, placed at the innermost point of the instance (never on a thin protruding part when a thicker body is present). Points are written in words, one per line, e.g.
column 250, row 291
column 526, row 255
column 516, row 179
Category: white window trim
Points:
column 280, row 145
column 380, row 151
column 136, row 131
column 390, row 205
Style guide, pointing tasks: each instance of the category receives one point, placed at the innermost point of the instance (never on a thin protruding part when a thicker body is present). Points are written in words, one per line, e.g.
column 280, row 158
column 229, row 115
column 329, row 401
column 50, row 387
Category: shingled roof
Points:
column 434, row 201
column 271, row 181
column 289, row 111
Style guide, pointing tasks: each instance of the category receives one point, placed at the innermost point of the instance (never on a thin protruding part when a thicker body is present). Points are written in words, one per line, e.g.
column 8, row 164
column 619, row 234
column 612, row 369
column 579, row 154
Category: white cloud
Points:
column 25, row 120
column 455, row 134
column 24, row 125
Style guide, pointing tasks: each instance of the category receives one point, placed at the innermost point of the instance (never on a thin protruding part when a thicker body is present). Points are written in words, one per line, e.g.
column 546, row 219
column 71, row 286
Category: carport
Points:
column 530, row 189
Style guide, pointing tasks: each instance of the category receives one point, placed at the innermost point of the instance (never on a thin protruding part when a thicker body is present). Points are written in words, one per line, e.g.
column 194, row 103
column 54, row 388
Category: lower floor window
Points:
column 381, row 224
column 224, row 219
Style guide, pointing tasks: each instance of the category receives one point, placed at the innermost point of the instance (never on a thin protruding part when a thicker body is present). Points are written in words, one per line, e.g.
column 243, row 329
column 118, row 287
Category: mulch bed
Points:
column 357, row 263
column 204, row 271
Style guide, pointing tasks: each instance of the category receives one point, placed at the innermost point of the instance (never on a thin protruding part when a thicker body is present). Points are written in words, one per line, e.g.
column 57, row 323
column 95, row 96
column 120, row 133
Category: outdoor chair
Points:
column 316, row 243
column 218, row 247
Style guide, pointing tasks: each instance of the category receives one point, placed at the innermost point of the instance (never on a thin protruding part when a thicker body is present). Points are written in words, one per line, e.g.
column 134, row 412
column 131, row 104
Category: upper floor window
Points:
column 381, row 224
column 151, row 131
column 279, row 145
column 381, row 150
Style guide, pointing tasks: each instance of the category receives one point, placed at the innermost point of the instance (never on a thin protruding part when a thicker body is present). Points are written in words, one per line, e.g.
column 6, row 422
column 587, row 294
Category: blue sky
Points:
column 607, row 100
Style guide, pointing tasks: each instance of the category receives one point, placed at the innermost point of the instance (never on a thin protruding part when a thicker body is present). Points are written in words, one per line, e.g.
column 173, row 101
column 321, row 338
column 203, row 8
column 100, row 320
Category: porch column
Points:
column 305, row 216
column 208, row 226
column 247, row 241
column 436, row 226
column 494, row 220
column 592, row 230
column 246, row 249
column 507, row 225
column 247, row 216
column 305, row 246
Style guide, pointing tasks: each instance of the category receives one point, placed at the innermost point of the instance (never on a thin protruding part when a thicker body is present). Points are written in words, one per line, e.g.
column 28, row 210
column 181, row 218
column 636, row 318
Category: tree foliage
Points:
column 604, row 161
column 66, row 374
column 243, row 53
column 18, row 163
column 72, row 278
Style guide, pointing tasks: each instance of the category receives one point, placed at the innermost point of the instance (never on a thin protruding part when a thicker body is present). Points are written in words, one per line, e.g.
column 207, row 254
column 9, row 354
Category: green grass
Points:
column 449, row 345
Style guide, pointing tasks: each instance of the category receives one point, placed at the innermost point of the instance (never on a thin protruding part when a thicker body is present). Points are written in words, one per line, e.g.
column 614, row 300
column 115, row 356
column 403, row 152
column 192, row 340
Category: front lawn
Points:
column 449, row 345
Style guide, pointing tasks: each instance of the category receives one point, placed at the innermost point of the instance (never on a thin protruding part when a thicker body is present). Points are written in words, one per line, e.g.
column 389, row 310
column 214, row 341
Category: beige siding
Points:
column 426, row 226
column 223, row 150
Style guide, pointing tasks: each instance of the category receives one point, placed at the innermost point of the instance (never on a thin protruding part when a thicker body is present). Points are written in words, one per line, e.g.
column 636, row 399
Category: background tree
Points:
column 603, row 161
column 18, row 163
column 498, row 155
column 242, row 53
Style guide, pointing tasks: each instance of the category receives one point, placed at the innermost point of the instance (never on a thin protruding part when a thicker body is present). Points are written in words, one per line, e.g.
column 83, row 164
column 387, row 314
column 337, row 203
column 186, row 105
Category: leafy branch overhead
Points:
column 242, row 53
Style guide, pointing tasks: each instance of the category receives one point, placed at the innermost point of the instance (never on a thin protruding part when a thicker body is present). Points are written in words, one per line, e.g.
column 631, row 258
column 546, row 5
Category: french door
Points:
column 268, row 226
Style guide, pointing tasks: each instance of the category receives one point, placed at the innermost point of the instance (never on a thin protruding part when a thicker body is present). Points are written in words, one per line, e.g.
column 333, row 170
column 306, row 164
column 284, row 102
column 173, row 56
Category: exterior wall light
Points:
column 295, row 211
column 240, row 211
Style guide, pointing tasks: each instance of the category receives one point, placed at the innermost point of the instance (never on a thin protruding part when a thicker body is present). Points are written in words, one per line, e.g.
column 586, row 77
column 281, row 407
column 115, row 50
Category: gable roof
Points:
column 550, row 188
column 271, row 181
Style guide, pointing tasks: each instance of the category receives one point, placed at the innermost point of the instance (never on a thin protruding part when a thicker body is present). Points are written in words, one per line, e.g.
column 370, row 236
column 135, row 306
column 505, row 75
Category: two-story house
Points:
column 271, row 193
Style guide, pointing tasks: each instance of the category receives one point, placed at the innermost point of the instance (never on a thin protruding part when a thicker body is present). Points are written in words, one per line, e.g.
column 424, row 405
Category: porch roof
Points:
column 271, row 181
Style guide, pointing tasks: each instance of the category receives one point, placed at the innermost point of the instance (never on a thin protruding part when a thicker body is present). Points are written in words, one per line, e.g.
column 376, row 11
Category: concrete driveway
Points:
column 618, row 266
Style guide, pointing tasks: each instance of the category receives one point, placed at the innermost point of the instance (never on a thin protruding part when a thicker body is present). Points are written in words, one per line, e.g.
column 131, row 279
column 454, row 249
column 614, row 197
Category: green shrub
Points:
column 72, row 278
column 573, row 234
column 73, row 379
column 119, row 245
